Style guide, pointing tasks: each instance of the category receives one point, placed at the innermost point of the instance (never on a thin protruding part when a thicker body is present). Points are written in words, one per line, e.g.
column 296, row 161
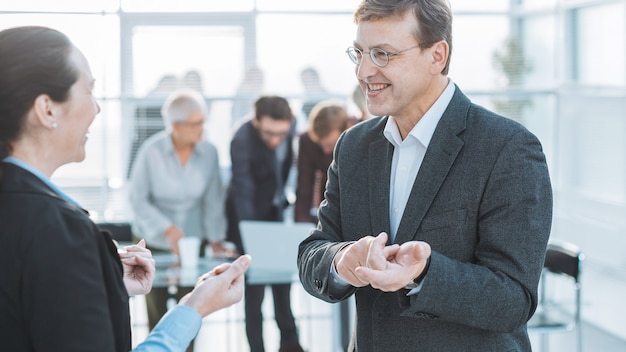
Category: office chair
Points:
column 561, row 270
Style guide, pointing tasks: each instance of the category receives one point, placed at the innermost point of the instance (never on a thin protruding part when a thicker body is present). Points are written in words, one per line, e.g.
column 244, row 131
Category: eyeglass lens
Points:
column 379, row 56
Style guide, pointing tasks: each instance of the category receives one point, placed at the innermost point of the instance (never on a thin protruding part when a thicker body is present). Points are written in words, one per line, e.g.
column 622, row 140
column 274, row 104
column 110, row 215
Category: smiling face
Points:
column 404, row 87
column 75, row 115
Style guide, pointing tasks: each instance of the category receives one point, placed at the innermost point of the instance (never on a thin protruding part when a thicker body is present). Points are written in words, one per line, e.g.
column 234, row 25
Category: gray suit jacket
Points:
column 482, row 199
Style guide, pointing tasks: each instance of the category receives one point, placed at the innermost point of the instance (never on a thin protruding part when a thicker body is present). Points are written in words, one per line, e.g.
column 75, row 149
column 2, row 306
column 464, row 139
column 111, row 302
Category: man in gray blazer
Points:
column 437, row 214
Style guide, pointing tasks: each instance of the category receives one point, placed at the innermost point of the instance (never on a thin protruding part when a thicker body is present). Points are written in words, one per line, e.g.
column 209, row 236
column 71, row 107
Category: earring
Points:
column 54, row 125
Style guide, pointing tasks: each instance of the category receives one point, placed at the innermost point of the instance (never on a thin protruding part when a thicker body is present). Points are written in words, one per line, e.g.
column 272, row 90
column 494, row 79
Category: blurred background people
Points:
column 166, row 85
column 358, row 98
column 327, row 121
column 261, row 158
column 64, row 285
column 314, row 91
column 192, row 80
column 176, row 189
column 248, row 92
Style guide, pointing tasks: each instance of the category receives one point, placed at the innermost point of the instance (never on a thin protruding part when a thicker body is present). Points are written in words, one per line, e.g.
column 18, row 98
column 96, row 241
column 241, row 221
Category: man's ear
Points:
column 43, row 107
column 440, row 52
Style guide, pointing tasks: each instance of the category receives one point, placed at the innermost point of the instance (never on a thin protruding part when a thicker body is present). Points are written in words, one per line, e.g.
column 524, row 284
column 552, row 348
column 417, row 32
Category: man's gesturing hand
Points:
column 401, row 265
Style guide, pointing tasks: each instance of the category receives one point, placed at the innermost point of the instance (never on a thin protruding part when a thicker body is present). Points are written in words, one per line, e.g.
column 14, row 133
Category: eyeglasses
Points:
column 190, row 124
column 379, row 56
column 271, row 134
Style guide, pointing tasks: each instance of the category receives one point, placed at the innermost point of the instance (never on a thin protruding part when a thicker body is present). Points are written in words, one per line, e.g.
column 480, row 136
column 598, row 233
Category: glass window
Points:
column 538, row 4
column 539, row 51
column 60, row 5
column 303, row 5
column 304, row 43
column 602, row 34
column 475, row 40
column 592, row 146
column 482, row 5
column 215, row 52
column 186, row 5
column 95, row 35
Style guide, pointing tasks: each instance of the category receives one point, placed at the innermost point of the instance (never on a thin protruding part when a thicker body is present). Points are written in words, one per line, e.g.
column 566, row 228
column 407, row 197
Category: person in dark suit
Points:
column 261, row 157
column 438, row 212
column 64, row 286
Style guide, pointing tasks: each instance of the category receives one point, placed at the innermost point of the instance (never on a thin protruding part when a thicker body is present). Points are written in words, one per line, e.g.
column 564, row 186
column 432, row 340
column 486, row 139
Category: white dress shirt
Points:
column 408, row 155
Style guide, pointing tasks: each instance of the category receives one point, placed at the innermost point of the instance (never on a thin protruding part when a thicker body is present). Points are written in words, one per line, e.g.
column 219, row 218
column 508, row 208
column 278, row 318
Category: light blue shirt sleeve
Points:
column 174, row 331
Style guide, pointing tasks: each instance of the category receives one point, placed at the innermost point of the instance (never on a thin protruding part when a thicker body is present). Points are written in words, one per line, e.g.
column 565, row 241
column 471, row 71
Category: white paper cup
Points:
column 189, row 250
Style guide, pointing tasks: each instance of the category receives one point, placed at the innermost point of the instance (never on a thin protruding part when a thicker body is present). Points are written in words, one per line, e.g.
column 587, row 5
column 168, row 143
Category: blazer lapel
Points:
column 440, row 155
column 380, row 153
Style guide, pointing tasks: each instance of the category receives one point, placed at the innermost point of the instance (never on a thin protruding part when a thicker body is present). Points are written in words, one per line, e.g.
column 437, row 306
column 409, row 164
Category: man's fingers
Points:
column 376, row 259
column 418, row 250
column 422, row 250
column 376, row 278
column 391, row 251
column 381, row 239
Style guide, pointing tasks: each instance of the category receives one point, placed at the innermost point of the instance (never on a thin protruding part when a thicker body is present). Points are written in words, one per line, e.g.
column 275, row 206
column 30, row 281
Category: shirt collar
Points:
column 42, row 177
column 169, row 146
column 423, row 131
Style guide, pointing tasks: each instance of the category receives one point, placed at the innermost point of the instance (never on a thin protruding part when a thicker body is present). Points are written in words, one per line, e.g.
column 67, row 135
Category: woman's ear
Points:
column 440, row 52
column 43, row 107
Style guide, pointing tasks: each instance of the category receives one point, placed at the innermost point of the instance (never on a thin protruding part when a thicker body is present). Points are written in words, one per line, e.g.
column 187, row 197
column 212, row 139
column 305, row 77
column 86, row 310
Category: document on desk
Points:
column 274, row 250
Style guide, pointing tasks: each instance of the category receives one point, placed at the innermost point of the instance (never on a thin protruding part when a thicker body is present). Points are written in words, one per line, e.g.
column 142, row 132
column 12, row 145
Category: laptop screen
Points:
column 274, row 249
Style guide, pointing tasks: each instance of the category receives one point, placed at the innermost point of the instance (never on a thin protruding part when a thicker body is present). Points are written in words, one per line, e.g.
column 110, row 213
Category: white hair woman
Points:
column 176, row 190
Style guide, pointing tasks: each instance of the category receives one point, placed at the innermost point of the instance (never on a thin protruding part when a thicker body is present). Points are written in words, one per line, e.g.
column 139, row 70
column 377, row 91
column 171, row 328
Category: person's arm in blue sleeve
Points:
column 174, row 331
column 217, row 289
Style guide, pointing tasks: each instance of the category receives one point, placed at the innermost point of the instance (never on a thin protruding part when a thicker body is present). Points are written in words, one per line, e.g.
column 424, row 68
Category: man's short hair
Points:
column 434, row 19
column 274, row 107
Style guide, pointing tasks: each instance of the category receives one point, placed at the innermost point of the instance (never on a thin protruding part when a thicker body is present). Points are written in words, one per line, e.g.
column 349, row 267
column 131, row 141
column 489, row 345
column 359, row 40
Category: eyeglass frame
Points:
column 271, row 134
column 194, row 124
column 372, row 56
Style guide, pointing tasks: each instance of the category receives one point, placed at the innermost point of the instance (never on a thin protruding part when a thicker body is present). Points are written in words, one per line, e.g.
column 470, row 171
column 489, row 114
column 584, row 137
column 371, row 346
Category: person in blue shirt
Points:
column 63, row 284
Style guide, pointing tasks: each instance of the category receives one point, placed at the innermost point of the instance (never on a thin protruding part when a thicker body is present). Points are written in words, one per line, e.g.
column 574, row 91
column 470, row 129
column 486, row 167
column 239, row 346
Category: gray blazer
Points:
column 482, row 199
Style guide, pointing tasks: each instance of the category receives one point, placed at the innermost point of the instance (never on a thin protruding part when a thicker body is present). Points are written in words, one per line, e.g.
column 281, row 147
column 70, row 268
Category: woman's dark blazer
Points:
column 61, row 285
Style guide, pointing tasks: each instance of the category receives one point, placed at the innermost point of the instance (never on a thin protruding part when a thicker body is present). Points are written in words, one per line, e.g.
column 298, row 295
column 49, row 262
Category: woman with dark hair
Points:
column 63, row 284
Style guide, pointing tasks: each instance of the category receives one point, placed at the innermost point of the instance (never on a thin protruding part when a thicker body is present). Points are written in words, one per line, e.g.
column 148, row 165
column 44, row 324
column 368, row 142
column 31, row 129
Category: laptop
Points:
column 274, row 249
